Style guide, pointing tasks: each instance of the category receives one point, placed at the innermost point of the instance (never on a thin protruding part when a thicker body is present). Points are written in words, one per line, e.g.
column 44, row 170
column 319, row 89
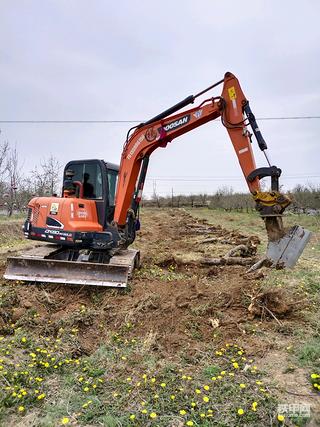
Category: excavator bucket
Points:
column 287, row 250
column 284, row 249
column 31, row 268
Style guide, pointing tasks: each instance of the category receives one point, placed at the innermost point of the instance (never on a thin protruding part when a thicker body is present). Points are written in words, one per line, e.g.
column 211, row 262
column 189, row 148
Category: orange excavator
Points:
column 90, row 227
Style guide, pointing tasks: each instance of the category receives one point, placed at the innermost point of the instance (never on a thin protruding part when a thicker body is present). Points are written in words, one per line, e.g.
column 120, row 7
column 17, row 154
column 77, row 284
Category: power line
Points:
column 221, row 179
column 132, row 121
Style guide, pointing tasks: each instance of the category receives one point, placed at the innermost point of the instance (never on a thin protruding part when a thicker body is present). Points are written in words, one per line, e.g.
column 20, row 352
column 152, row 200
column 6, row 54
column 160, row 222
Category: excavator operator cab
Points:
column 95, row 180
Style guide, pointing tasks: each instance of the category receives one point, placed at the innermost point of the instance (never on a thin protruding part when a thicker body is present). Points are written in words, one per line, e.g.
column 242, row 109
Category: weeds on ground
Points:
column 117, row 384
column 156, row 272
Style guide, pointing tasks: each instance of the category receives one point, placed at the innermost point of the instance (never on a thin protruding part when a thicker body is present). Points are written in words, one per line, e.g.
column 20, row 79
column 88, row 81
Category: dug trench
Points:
column 185, row 295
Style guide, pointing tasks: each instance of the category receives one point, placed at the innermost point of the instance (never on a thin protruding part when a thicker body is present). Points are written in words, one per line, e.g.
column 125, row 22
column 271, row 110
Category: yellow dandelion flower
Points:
column 144, row 411
column 202, row 415
column 132, row 417
column 235, row 365
column 223, row 373
column 254, row 406
column 153, row 415
column 172, row 397
column 242, row 385
column 189, row 423
column 21, row 408
column 198, row 391
column 156, row 396
column 182, row 412
column 213, row 378
column 206, row 387
column 280, row 418
column 163, row 385
column 64, row 420
column 193, row 404
column 153, row 380
column 240, row 411
column 41, row 396
column 206, row 399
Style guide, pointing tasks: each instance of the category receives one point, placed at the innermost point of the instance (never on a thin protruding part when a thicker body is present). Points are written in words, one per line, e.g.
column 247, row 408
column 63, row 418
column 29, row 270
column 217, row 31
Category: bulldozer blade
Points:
column 66, row 272
column 287, row 250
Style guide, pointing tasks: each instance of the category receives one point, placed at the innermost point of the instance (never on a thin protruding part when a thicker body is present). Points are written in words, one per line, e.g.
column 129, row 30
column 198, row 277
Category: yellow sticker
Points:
column 54, row 208
column 232, row 93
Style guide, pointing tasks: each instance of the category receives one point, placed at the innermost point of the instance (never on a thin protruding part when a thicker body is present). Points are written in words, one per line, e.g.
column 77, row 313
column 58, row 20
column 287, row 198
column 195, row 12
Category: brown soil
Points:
column 175, row 298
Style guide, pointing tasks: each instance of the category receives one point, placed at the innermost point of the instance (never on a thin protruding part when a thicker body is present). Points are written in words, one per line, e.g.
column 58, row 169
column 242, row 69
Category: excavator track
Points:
column 35, row 265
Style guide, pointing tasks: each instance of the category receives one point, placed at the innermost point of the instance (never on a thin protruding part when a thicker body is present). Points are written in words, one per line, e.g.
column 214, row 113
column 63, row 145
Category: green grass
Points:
column 40, row 377
column 13, row 218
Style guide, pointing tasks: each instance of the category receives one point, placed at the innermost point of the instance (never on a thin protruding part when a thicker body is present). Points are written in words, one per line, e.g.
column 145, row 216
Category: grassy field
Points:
column 177, row 348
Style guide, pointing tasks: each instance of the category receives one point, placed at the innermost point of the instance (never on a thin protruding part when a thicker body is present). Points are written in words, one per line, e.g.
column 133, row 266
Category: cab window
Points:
column 91, row 177
column 112, row 183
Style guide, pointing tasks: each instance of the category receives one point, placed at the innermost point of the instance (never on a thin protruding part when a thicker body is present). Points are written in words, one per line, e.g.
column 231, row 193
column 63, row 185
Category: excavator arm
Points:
column 233, row 109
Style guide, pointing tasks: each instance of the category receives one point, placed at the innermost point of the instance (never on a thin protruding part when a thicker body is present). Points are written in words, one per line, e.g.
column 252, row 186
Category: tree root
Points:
column 228, row 261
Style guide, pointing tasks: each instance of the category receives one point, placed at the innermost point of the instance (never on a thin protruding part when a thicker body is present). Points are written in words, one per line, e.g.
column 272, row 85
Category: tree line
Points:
column 18, row 187
column 305, row 198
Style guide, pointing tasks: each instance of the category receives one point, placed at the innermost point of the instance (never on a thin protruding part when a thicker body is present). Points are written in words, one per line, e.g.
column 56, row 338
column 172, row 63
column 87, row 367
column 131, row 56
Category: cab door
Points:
column 93, row 176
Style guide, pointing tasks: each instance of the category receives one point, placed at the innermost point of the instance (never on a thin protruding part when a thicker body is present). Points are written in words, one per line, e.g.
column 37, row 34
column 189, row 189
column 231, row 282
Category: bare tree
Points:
column 155, row 196
column 13, row 168
column 46, row 178
column 4, row 151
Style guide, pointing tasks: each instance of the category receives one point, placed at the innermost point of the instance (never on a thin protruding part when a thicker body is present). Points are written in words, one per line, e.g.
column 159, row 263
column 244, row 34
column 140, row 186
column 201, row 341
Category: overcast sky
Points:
column 130, row 60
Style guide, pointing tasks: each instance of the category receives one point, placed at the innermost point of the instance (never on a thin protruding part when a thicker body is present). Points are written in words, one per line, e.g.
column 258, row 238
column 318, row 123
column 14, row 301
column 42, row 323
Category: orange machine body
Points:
column 60, row 219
